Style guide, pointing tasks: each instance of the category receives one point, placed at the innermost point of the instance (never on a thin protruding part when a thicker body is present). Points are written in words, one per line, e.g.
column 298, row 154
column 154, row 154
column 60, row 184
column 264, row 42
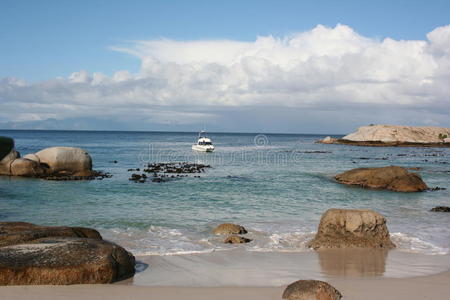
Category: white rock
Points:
column 65, row 159
column 396, row 133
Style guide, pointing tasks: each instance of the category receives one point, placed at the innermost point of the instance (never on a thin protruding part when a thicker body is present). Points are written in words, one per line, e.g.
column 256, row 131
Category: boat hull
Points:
column 202, row 148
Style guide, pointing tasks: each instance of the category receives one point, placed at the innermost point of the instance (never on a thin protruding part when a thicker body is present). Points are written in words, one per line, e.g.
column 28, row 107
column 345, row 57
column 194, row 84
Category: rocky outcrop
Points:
column 31, row 254
column 236, row 239
column 441, row 209
column 351, row 228
column 389, row 178
column 399, row 134
column 65, row 159
column 56, row 163
column 395, row 136
column 311, row 290
column 228, row 229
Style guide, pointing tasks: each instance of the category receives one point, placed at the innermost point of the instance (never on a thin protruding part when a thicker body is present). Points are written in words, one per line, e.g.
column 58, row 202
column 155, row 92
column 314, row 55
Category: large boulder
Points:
column 71, row 160
column 351, row 228
column 12, row 233
column 32, row 254
column 228, row 228
column 390, row 178
column 58, row 260
column 311, row 290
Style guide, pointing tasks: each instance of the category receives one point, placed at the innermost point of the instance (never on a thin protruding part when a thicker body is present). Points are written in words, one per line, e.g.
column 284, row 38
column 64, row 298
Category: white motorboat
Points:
column 204, row 143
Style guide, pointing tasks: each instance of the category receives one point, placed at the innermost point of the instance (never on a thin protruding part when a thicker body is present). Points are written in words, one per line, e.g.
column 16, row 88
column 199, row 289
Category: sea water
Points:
column 276, row 185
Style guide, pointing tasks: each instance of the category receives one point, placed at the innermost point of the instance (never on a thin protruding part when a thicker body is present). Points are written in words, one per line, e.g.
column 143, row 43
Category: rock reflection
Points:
column 353, row 262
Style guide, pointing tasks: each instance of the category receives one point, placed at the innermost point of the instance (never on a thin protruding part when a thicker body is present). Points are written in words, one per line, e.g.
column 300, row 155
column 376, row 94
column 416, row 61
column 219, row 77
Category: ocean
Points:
column 276, row 185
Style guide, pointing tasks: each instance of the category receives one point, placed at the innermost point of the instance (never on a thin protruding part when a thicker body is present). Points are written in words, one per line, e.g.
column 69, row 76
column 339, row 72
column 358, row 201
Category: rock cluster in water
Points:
column 162, row 172
column 32, row 254
column 311, row 290
column 351, row 228
column 55, row 163
column 233, row 232
column 392, row 178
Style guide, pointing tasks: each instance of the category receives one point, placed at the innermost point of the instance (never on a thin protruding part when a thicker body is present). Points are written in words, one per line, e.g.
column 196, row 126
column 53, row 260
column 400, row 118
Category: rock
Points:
column 64, row 260
column 328, row 140
column 32, row 157
column 228, row 228
column 65, row 159
column 351, row 228
column 12, row 233
column 32, row 254
column 26, row 167
column 236, row 239
column 398, row 134
column 390, row 178
column 441, row 209
column 311, row 290
column 5, row 163
column 6, row 146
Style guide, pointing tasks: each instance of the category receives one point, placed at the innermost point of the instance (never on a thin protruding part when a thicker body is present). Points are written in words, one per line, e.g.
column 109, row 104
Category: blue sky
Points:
column 61, row 60
column 44, row 39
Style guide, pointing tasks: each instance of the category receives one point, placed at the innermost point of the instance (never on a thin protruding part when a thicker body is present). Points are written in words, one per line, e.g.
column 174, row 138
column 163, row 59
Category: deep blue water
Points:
column 268, row 183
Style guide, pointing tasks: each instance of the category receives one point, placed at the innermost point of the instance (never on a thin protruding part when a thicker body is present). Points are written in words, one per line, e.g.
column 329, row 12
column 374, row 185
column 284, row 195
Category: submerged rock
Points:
column 236, row 239
column 441, row 209
column 228, row 228
column 311, row 290
column 390, row 178
column 32, row 254
column 351, row 228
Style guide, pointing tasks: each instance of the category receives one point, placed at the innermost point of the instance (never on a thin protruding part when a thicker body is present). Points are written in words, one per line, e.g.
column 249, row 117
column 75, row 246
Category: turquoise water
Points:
column 272, row 184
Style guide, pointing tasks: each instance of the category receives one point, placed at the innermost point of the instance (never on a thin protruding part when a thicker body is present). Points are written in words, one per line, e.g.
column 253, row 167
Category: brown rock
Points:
column 12, row 233
column 236, row 239
column 351, row 228
column 5, row 163
column 64, row 260
column 311, row 290
column 390, row 178
column 228, row 228
column 26, row 167
column 441, row 209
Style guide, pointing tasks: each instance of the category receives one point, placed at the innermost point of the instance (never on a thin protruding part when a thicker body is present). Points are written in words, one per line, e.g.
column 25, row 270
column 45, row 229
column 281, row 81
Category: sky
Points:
column 239, row 66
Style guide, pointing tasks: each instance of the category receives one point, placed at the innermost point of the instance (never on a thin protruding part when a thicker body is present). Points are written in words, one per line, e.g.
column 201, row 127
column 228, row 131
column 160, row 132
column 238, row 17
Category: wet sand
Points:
column 239, row 274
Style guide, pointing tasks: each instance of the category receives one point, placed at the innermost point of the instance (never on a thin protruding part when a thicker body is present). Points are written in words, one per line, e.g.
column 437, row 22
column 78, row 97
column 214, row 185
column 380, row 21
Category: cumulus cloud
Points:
column 332, row 70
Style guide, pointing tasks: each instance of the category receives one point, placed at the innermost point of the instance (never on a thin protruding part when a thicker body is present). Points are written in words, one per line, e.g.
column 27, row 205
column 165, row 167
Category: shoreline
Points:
column 423, row 287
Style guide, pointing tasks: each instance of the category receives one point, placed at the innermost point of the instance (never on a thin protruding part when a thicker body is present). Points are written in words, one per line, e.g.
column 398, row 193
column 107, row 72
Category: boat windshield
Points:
column 205, row 143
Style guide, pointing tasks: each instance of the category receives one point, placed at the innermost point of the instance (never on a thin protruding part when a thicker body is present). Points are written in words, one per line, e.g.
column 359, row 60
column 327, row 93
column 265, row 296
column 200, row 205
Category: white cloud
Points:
column 319, row 69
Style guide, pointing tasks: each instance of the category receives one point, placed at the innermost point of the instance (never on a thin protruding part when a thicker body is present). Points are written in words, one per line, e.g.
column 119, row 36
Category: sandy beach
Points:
column 426, row 287
column 240, row 274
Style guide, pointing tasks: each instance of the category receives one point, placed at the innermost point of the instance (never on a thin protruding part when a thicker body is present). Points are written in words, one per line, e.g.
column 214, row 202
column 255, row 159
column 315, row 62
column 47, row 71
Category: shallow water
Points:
column 272, row 184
